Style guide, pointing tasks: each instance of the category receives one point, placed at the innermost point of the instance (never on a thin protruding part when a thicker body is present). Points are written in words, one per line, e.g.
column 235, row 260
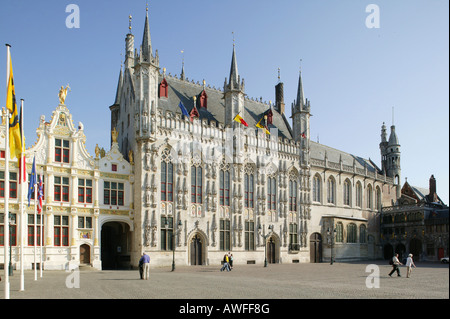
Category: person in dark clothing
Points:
column 395, row 264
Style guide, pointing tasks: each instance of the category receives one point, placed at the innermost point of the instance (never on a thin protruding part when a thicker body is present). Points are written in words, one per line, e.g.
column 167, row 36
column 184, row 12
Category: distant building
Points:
column 417, row 224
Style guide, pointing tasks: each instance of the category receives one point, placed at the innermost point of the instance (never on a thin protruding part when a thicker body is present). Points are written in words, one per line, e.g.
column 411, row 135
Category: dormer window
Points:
column 163, row 88
column 203, row 100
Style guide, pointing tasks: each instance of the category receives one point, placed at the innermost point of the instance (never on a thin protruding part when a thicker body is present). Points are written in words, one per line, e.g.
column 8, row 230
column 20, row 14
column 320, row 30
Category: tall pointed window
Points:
column 196, row 184
column 224, row 187
column 248, row 189
column 347, row 192
column 292, row 195
column 271, row 193
column 331, row 190
column 316, row 189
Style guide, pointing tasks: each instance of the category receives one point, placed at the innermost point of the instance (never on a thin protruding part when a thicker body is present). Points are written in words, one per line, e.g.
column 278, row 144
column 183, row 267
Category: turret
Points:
column 233, row 93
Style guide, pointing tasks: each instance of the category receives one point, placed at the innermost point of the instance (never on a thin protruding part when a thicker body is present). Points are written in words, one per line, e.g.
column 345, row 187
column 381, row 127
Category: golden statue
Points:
column 63, row 94
column 130, row 157
column 114, row 135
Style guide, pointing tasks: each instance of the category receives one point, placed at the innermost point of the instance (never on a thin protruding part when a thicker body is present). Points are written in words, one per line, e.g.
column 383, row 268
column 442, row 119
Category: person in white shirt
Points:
column 409, row 265
column 395, row 264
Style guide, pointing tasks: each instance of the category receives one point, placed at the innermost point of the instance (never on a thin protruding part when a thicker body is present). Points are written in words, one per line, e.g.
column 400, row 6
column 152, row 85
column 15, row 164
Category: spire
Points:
column 234, row 74
column 393, row 139
column 182, row 76
column 300, row 95
column 119, row 88
column 146, row 41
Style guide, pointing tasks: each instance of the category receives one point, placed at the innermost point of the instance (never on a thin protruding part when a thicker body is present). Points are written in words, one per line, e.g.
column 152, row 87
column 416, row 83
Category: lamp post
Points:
column 265, row 241
column 332, row 234
column 174, row 233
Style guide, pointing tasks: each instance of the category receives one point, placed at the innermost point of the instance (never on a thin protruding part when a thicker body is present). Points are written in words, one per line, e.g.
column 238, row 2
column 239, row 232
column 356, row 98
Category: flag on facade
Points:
column 32, row 181
column 15, row 138
column 239, row 119
column 183, row 109
column 262, row 125
column 40, row 195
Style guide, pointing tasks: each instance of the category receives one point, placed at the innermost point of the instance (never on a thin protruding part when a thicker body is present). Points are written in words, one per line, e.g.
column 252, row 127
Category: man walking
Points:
column 409, row 265
column 395, row 264
column 145, row 261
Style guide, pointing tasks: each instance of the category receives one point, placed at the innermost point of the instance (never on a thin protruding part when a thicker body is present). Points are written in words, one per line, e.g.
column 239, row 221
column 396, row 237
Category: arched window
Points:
column 339, row 232
column 331, row 190
column 351, row 233
column 317, row 192
column 362, row 234
column 224, row 187
column 358, row 194
column 369, row 197
column 166, row 181
column 248, row 190
column 347, row 192
column 292, row 195
column 163, row 88
column 378, row 198
column 196, row 184
column 271, row 193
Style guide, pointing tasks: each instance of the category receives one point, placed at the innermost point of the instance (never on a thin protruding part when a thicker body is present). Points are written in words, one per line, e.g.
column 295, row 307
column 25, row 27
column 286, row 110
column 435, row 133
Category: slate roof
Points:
column 182, row 90
column 318, row 151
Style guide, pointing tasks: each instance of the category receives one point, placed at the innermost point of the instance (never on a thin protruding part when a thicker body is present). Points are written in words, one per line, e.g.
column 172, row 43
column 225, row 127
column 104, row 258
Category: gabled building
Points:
column 418, row 223
column 87, row 211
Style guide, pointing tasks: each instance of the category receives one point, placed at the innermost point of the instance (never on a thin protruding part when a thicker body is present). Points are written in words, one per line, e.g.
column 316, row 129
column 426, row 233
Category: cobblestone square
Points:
column 277, row 281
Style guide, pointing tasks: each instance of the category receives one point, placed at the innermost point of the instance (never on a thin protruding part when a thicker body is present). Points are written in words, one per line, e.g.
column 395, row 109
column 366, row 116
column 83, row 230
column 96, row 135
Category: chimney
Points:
column 279, row 98
column 432, row 195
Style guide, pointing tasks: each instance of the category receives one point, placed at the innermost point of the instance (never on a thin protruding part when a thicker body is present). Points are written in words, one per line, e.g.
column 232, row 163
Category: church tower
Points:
column 390, row 156
column 300, row 119
column 146, row 71
column 233, row 93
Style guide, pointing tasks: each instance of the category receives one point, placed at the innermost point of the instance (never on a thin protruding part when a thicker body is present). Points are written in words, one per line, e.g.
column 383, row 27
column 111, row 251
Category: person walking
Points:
column 225, row 263
column 409, row 265
column 230, row 257
column 145, row 260
column 395, row 264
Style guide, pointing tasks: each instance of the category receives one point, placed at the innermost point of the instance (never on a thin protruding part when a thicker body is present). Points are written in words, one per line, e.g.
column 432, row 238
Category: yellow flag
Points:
column 262, row 125
column 15, row 139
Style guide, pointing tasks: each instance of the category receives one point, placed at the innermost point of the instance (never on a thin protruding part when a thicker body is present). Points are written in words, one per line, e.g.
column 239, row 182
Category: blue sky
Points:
column 353, row 75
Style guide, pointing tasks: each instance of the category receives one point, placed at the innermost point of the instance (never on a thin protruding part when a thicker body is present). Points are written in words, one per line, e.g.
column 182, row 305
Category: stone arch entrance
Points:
column 85, row 254
column 273, row 249
column 115, row 245
column 197, row 249
column 315, row 248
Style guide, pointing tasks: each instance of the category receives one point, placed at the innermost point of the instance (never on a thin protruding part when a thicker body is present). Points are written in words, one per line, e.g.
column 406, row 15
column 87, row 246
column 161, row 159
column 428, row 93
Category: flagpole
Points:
column 6, row 215
column 22, row 184
column 35, row 224
column 41, row 233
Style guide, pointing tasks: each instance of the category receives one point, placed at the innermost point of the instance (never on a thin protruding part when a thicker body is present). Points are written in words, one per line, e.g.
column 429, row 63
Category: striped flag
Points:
column 40, row 195
column 32, row 181
column 239, row 119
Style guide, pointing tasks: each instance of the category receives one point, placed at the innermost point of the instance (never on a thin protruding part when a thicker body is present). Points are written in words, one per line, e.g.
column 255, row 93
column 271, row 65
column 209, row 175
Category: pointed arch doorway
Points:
column 197, row 246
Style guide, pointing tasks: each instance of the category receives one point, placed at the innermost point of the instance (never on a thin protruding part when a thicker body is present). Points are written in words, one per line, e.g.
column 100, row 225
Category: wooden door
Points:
column 271, row 247
column 196, row 251
column 85, row 254
column 315, row 248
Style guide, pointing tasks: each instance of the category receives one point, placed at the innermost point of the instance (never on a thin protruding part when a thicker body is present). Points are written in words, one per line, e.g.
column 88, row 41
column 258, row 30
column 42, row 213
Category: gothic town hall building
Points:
column 184, row 181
